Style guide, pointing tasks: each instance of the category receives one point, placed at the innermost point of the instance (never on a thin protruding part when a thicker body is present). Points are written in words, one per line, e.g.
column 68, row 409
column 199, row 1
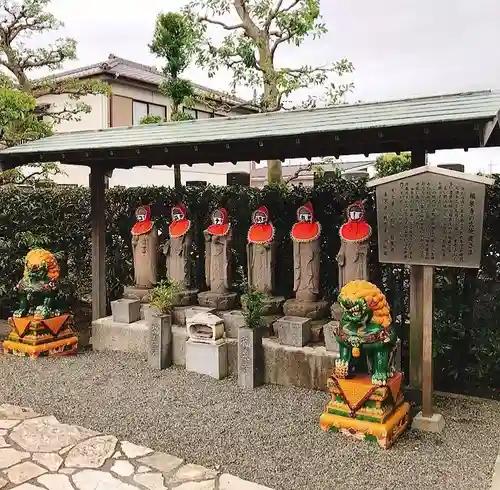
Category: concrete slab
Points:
column 428, row 424
column 209, row 359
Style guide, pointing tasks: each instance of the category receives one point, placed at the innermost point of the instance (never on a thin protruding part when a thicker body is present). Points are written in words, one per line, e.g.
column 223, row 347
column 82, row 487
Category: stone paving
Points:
column 40, row 453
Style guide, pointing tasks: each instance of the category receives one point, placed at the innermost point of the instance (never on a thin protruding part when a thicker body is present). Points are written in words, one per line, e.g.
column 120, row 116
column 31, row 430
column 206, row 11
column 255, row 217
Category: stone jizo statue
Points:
column 145, row 248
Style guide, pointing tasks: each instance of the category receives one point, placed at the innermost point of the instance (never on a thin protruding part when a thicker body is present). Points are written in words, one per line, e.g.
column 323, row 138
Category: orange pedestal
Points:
column 34, row 337
column 366, row 411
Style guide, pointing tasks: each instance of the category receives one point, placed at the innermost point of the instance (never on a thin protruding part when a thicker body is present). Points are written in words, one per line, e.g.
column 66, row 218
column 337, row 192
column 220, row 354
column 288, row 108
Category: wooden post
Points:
column 416, row 326
column 427, row 316
column 418, row 159
column 97, row 182
column 177, row 176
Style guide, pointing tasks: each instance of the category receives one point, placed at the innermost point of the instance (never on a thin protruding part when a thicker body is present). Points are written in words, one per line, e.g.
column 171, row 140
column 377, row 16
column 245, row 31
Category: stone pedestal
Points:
column 134, row 292
column 126, row 310
column 187, row 297
column 250, row 358
column 329, row 330
column 315, row 310
column 209, row 359
column 294, row 331
column 272, row 305
column 435, row 423
column 218, row 301
column 160, row 341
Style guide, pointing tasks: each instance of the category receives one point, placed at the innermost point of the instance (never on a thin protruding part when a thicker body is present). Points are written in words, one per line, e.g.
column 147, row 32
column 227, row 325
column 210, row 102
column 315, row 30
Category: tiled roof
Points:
column 117, row 66
column 285, row 127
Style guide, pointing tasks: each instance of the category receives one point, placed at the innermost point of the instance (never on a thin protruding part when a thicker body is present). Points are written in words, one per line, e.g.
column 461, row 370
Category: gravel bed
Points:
column 270, row 435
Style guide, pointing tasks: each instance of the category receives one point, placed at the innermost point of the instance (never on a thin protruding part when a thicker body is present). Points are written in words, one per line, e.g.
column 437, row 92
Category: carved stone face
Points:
column 217, row 218
column 141, row 214
column 259, row 218
column 355, row 213
column 177, row 214
column 305, row 215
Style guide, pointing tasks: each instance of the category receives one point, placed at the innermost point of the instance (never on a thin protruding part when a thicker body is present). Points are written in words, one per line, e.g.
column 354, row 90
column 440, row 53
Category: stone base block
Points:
column 329, row 330
column 209, row 359
column 124, row 337
column 134, row 292
column 218, row 301
column 233, row 321
column 187, row 297
column 126, row 310
column 179, row 313
column 272, row 305
column 315, row 310
column 294, row 330
column 428, row 424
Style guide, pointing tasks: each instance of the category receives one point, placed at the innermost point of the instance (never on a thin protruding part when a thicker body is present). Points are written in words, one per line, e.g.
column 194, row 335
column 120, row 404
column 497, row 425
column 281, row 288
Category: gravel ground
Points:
column 270, row 435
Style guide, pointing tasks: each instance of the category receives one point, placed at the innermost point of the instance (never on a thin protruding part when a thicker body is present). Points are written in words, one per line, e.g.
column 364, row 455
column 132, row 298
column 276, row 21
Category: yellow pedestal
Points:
column 34, row 337
column 384, row 434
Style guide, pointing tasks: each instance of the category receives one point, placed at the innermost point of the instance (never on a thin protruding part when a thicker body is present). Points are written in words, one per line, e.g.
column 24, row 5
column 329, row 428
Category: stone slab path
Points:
column 40, row 453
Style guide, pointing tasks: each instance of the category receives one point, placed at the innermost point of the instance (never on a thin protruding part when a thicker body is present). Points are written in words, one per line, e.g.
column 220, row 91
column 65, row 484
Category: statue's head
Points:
column 305, row 213
column 355, row 310
column 40, row 265
column 260, row 216
column 220, row 217
column 143, row 213
column 356, row 211
column 179, row 212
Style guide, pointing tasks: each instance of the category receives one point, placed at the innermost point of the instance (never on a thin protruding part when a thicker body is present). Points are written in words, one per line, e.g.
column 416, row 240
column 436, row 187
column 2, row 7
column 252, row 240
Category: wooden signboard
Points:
column 428, row 217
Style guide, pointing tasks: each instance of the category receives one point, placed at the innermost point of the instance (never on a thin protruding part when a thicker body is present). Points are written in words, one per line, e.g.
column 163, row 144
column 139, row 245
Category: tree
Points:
column 175, row 39
column 391, row 163
column 249, row 50
column 19, row 21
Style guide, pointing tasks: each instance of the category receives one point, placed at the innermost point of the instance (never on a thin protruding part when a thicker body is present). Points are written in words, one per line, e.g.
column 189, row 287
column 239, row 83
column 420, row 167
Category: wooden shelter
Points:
column 419, row 125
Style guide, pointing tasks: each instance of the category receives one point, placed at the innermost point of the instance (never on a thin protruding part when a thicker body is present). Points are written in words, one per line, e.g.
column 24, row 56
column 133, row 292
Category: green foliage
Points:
column 164, row 296
column 391, row 163
column 467, row 302
column 151, row 119
column 253, row 302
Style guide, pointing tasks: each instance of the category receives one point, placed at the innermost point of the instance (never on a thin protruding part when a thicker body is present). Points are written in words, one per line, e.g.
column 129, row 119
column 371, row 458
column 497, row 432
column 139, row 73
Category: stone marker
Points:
column 294, row 330
column 329, row 330
column 126, row 310
column 209, row 359
column 250, row 358
column 160, row 341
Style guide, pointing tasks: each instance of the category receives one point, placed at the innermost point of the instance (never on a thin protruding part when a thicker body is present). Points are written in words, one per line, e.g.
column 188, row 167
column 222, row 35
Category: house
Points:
column 296, row 174
column 135, row 94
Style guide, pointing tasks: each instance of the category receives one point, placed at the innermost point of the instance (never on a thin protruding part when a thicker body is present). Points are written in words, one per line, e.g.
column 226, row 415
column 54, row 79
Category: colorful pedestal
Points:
column 366, row 411
column 34, row 337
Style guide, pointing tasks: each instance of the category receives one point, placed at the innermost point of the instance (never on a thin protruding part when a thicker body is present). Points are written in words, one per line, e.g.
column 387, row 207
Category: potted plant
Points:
column 250, row 352
column 163, row 297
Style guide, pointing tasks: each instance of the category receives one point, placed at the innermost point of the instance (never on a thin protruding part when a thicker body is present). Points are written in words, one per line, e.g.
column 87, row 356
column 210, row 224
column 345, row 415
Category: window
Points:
column 143, row 109
column 199, row 113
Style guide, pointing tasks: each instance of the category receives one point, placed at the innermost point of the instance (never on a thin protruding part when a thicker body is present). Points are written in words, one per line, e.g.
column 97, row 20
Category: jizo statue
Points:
column 261, row 252
column 145, row 248
column 352, row 257
column 178, row 247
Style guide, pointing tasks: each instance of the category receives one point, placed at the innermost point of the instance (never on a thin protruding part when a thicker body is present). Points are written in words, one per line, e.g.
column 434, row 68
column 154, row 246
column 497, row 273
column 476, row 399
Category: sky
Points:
column 399, row 48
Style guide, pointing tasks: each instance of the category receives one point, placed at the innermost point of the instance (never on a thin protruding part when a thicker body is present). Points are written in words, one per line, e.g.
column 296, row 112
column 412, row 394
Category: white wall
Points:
column 97, row 118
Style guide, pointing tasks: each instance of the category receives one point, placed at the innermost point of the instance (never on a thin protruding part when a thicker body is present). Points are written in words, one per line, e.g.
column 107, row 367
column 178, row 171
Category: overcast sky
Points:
column 399, row 48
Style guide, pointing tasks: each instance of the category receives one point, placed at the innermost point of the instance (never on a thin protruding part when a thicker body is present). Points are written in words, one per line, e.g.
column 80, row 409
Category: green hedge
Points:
column 467, row 324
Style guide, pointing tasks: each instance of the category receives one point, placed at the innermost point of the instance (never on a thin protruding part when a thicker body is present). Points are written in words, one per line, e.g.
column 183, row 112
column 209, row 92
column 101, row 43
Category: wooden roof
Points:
column 467, row 120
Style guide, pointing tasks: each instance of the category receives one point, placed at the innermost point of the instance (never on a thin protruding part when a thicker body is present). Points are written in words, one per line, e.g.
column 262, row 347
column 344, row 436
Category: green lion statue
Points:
column 38, row 289
column 365, row 335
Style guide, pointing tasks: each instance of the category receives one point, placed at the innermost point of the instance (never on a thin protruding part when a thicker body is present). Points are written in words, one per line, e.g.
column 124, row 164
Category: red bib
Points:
column 261, row 233
column 355, row 231
column 219, row 230
column 306, row 232
column 142, row 227
column 179, row 228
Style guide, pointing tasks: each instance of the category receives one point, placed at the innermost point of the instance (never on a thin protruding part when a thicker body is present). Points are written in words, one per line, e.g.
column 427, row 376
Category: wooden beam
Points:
column 427, row 316
column 487, row 130
column 98, row 184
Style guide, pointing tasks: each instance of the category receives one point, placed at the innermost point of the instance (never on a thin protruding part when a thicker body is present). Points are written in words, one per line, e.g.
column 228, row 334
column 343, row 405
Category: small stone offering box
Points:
column 294, row 330
column 126, row 310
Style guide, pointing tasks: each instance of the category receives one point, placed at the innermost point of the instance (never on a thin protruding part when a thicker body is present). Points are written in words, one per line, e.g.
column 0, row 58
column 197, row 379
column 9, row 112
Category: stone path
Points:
column 40, row 453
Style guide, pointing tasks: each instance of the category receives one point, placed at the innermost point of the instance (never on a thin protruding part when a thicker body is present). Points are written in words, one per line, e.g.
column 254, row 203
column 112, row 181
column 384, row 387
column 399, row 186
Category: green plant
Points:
column 392, row 163
column 253, row 302
column 164, row 296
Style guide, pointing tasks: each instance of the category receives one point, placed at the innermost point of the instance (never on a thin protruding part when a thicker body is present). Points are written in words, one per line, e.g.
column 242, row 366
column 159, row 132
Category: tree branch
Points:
column 221, row 24
column 24, row 180
column 307, row 168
